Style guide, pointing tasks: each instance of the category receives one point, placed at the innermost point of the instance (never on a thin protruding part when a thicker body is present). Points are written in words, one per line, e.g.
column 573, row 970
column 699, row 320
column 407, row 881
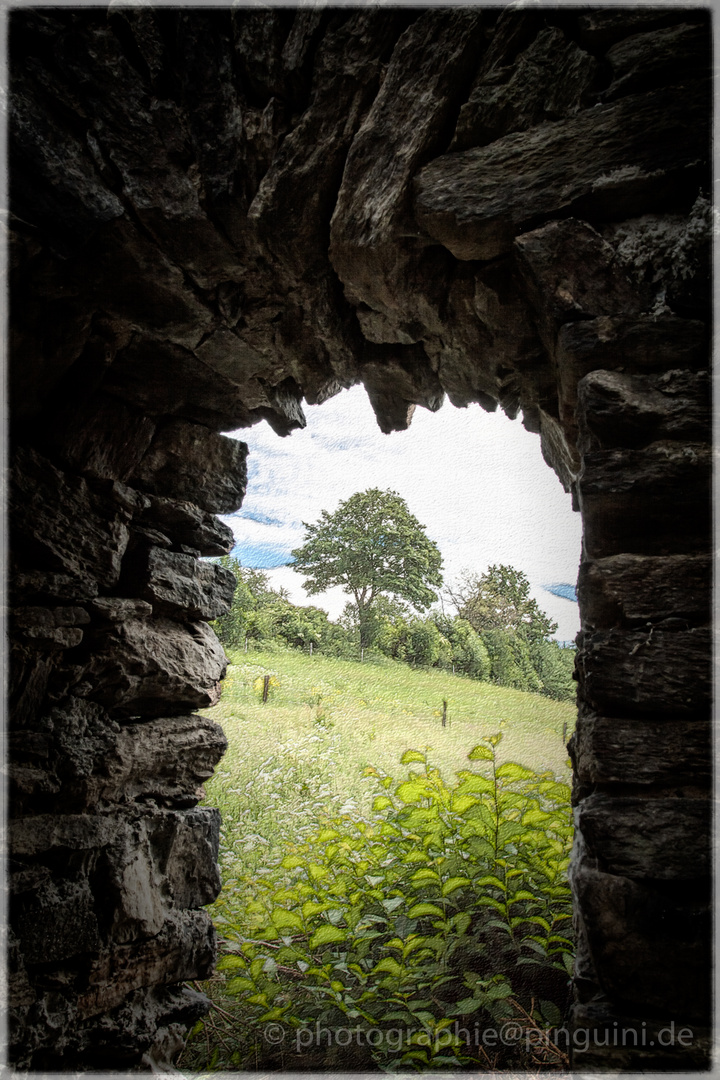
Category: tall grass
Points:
column 305, row 752
column 304, row 768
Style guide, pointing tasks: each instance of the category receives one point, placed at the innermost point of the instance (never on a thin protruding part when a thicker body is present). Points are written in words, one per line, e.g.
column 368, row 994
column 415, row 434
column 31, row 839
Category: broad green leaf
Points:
column 275, row 1013
column 465, row 1007
column 454, row 883
column 418, row 910
column 381, row 802
column 239, row 985
column 461, row 921
column 412, row 791
column 512, row 772
column 291, row 861
column 281, row 918
column 521, row 894
column 393, row 903
column 413, row 755
column 489, row 879
column 312, row 907
column 327, row 935
column 481, row 753
column 422, row 877
column 461, row 803
column 388, row 965
column 230, row 963
column 415, row 855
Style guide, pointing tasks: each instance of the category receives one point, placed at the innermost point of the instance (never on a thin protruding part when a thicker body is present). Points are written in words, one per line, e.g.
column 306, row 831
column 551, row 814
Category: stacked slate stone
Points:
column 217, row 214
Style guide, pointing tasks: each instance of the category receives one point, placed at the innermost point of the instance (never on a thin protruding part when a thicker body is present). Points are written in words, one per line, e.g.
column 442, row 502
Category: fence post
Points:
column 266, row 688
column 444, row 716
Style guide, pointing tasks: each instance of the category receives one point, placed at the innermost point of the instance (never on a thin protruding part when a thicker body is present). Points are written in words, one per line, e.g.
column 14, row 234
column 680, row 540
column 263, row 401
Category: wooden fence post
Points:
column 266, row 688
column 444, row 717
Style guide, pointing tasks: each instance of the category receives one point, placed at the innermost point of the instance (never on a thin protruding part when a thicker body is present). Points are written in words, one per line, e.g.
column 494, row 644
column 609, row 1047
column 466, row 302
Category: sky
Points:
column 476, row 480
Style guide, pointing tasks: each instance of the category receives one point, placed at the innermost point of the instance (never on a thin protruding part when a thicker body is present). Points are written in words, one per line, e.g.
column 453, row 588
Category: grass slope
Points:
column 327, row 720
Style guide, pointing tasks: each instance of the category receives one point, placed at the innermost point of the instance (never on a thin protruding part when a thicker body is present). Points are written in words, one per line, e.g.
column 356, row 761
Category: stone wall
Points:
column 218, row 214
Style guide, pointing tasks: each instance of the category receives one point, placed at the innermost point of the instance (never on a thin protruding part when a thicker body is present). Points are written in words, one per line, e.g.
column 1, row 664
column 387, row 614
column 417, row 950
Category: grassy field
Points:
column 326, row 721
column 296, row 792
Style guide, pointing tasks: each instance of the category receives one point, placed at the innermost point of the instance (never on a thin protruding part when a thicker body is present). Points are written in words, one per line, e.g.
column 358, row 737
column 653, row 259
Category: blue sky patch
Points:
column 261, row 556
column 562, row 589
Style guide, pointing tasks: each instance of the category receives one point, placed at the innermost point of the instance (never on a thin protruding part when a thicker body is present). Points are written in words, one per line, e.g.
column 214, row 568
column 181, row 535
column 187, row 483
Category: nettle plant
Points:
column 444, row 912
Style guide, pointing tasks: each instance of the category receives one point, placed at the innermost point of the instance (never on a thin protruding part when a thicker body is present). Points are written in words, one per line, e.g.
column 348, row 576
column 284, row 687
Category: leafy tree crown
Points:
column 371, row 546
column 500, row 599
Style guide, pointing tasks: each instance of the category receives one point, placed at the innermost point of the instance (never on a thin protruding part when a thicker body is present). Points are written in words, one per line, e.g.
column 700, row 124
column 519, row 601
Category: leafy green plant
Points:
column 441, row 912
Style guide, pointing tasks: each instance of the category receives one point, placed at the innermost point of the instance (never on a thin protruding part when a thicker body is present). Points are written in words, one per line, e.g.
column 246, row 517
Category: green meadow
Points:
column 362, row 890
column 326, row 721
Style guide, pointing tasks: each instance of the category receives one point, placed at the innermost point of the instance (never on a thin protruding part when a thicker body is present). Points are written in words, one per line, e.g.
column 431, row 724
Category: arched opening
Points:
column 350, row 220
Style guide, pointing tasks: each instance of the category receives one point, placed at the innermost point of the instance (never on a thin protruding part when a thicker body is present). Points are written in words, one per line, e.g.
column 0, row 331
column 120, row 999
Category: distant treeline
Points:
column 498, row 635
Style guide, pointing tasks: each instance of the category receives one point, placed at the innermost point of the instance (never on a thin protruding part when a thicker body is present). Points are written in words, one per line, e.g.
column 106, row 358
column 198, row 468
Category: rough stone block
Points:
column 620, row 159
column 187, row 524
column 648, row 941
column 162, row 379
column 67, row 527
column 40, row 833
column 56, row 922
column 602, row 28
column 642, row 751
column 153, row 667
column 662, row 839
column 548, row 80
column 626, row 590
column 406, row 122
column 181, row 587
column 166, row 760
column 103, row 437
column 572, row 273
column 184, row 949
column 608, row 1040
column 661, row 57
column 189, row 462
column 620, row 410
column 649, row 672
column 653, row 501
column 191, row 869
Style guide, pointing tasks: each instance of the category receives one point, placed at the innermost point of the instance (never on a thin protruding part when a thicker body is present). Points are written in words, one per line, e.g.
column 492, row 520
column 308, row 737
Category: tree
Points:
column 371, row 546
column 500, row 599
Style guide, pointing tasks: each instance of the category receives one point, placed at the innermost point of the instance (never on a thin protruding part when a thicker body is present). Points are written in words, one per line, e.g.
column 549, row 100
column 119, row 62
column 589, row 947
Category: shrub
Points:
column 444, row 911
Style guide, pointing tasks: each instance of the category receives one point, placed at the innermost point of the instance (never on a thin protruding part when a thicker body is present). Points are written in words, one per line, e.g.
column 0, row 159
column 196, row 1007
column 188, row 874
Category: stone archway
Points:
column 216, row 214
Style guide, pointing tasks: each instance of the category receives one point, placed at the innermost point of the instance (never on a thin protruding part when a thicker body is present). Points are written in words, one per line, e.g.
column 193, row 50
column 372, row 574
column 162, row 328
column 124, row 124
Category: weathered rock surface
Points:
column 217, row 214
column 641, row 751
column 191, row 526
column 153, row 667
column 191, row 463
column 625, row 506
column 615, row 409
column 59, row 522
column 179, row 586
column 646, row 941
column 658, row 672
column 631, row 590
column 547, row 81
column 580, row 165
column 656, row 838
column 649, row 60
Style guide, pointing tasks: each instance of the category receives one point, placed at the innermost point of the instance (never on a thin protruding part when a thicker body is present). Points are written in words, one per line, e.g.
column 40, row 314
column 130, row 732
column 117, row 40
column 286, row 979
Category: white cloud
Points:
column 476, row 480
